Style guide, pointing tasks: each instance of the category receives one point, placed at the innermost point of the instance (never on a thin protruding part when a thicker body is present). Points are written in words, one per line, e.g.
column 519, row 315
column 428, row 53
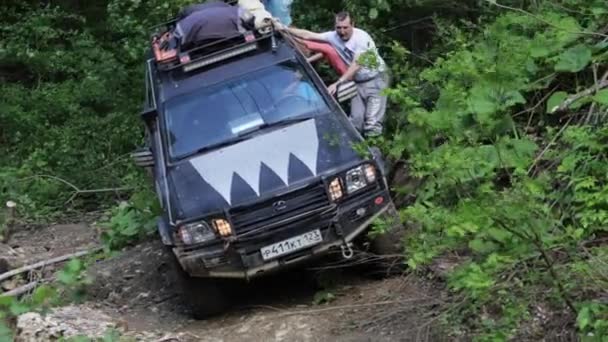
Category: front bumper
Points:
column 339, row 225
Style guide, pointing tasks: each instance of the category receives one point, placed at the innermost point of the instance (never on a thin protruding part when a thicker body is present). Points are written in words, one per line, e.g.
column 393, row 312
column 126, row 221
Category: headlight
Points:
column 355, row 179
column 335, row 190
column 197, row 232
column 222, row 227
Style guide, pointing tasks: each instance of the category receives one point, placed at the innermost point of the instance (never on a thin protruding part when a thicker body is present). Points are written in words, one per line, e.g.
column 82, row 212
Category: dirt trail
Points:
column 136, row 289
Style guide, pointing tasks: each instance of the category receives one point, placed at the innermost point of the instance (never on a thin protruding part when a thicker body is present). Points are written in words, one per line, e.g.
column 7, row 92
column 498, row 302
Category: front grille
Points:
column 293, row 204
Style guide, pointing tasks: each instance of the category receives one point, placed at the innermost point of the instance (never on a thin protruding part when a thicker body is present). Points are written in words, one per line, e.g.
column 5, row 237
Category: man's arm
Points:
column 305, row 34
column 302, row 33
column 347, row 76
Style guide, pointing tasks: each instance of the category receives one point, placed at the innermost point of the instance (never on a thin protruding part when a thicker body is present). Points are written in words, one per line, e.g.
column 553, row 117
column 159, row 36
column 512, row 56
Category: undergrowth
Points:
column 498, row 109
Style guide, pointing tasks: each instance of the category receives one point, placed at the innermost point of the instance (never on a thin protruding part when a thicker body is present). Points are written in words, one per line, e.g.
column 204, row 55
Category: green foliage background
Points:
column 497, row 109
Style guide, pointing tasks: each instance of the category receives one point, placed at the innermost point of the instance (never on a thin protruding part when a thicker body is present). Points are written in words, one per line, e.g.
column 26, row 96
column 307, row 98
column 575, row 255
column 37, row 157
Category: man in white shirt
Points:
column 369, row 106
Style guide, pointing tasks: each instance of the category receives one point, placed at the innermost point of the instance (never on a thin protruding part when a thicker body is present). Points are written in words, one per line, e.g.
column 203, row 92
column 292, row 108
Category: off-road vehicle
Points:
column 255, row 164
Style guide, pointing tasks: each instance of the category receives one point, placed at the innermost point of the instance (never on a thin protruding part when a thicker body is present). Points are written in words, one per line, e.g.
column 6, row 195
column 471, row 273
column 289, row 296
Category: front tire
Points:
column 204, row 297
column 387, row 248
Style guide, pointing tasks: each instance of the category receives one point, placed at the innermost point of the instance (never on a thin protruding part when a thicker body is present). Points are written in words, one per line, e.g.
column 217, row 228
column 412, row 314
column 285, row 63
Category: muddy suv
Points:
column 254, row 163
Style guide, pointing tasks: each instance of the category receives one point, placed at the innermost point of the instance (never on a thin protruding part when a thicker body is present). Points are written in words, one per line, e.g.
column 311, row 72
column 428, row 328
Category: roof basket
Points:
column 169, row 55
column 207, row 53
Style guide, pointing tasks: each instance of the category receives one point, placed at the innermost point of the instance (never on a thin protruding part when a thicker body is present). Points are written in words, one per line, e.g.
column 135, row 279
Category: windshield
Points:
column 224, row 112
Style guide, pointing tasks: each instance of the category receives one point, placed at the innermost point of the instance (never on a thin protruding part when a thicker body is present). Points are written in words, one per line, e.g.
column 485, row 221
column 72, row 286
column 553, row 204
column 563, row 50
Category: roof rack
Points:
column 210, row 53
column 204, row 53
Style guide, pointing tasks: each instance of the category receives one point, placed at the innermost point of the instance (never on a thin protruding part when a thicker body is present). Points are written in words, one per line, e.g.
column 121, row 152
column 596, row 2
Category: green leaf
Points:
column 568, row 163
column 555, row 100
column 323, row 297
column 500, row 235
column 481, row 102
column 584, row 317
column 481, row 246
column 66, row 277
column 539, row 50
column 74, row 265
column 598, row 11
column 19, row 308
column 42, row 293
column 6, row 334
column 6, row 301
column 581, row 102
column 601, row 97
column 574, row 59
column 373, row 13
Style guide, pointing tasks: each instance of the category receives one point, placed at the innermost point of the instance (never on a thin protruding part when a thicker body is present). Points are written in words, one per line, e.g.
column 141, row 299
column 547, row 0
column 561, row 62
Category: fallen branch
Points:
column 77, row 191
column 52, row 261
column 603, row 83
column 20, row 290
column 93, row 191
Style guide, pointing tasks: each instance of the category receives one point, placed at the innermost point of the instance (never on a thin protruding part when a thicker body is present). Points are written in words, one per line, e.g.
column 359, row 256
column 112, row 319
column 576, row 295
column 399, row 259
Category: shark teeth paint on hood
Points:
column 246, row 158
column 261, row 166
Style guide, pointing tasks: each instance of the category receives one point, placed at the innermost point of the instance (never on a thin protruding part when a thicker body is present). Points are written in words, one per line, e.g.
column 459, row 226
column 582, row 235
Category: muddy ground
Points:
column 136, row 290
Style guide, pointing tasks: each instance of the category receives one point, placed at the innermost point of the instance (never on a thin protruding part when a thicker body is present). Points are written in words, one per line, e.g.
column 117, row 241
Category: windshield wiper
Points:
column 286, row 121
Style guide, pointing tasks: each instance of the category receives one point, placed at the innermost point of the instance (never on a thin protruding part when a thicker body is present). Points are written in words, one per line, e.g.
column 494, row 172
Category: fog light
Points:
column 335, row 190
column 222, row 227
column 361, row 211
column 370, row 173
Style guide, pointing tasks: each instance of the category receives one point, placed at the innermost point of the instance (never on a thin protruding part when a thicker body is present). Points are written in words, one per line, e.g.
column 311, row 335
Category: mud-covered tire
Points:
column 388, row 247
column 204, row 297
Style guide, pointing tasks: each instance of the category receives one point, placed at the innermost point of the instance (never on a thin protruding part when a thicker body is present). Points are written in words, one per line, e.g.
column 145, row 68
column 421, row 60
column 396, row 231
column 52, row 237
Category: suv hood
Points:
column 260, row 167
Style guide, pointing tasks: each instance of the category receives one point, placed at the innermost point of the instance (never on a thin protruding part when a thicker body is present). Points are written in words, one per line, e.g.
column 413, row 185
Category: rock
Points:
column 11, row 284
column 63, row 322
column 443, row 265
column 10, row 258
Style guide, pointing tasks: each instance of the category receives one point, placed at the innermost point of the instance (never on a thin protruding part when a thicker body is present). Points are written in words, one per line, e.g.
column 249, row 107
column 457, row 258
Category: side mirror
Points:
column 346, row 91
column 148, row 114
column 143, row 157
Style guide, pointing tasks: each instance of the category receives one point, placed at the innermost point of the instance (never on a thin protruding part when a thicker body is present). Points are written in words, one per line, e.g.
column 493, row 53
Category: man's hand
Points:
column 332, row 88
column 278, row 25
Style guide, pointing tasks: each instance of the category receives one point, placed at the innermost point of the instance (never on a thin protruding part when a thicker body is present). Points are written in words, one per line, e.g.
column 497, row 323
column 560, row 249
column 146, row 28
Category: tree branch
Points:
column 20, row 290
column 542, row 153
column 27, row 268
column 77, row 191
column 603, row 83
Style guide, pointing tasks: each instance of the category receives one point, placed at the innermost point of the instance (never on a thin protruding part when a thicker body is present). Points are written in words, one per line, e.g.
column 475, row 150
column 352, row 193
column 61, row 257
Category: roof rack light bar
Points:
column 220, row 57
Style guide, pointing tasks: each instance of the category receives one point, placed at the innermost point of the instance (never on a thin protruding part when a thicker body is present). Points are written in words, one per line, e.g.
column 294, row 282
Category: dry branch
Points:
column 20, row 290
column 59, row 259
column 603, row 83
column 76, row 190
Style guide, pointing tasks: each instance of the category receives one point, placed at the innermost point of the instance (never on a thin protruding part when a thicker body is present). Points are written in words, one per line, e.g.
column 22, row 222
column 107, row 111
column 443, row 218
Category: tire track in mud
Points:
column 137, row 286
column 136, row 292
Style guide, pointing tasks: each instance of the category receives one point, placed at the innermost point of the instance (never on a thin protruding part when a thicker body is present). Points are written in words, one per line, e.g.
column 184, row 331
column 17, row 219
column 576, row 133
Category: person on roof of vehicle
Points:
column 211, row 21
column 186, row 11
column 369, row 106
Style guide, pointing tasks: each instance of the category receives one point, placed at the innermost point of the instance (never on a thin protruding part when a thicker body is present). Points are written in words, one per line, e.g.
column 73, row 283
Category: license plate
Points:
column 291, row 245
